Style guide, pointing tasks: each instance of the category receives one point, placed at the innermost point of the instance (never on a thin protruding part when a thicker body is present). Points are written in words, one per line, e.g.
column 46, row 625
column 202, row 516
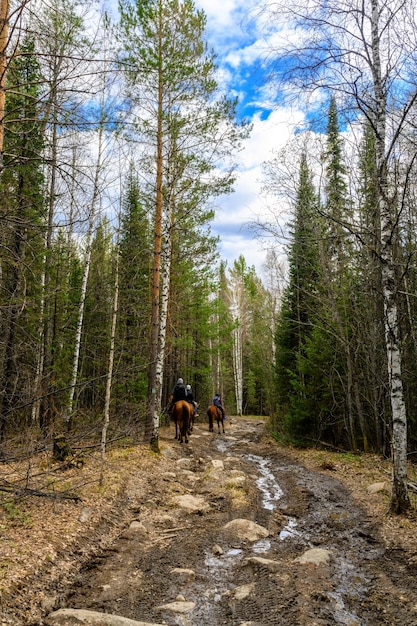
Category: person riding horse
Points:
column 178, row 393
column 217, row 401
column 180, row 411
column 190, row 398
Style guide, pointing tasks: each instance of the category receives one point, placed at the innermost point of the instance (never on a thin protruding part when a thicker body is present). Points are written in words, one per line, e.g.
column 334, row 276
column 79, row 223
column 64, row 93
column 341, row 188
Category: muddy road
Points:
column 231, row 532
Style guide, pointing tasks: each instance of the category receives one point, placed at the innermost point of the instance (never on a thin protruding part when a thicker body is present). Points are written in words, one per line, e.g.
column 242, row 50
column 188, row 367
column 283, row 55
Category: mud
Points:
column 180, row 566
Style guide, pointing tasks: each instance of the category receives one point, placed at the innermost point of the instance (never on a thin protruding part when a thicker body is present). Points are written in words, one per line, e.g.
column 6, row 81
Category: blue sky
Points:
column 234, row 29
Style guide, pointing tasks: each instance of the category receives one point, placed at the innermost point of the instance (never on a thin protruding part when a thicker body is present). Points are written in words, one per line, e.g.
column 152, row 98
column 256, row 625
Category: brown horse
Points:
column 214, row 413
column 181, row 416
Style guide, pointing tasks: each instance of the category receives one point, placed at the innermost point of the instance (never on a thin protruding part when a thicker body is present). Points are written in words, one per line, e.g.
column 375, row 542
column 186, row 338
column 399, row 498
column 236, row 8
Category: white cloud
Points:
column 246, row 204
column 223, row 14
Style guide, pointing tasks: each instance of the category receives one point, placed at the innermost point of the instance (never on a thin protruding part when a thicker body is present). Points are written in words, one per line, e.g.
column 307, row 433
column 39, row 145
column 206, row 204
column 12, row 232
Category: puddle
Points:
column 216, row 568
column 289, row 529
column 264, row 545
column 349, row 584
column 266, row 483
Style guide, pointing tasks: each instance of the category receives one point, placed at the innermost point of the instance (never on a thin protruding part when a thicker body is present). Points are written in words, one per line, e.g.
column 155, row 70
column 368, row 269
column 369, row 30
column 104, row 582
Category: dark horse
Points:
column 181, row 415
column 214, row 413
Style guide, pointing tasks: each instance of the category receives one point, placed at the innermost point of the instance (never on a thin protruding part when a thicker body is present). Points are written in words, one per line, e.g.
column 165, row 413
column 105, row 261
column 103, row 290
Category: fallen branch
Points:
column 26, row 491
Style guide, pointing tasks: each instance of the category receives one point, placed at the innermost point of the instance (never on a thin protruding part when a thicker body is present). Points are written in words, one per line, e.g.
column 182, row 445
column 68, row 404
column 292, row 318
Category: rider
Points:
column 217, row 401
column 178, row 393
column 190, row 398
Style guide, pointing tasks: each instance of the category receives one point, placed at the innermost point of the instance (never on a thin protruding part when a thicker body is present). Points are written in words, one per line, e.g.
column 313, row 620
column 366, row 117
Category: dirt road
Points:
column 229, row 531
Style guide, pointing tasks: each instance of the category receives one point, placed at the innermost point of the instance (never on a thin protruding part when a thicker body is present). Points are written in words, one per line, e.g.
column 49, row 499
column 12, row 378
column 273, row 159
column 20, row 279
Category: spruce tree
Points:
column 22, row 235
column 132, row 346
column 299, row 312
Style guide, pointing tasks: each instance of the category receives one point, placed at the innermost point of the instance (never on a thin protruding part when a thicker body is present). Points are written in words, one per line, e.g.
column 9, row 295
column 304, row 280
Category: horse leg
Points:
column 210, row 421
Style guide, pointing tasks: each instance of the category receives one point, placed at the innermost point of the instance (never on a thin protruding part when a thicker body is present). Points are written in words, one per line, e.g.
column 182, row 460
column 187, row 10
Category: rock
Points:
column 217, row 550
column 191, row 503
column 237, row 481
column 184, row 462
column 184, row 574
column 217, row 464
column 237, row 473
column 273, row 566
column 177, row 607
column 246, row 529
column 166, row 519
column 81, row 617
column 316, row 556
column 49, row 603
column 169, row 475
column 232, row 459
column 85, row 515
column 377, row 487
column 242, row 592
column 167, row 452
column 138, row 527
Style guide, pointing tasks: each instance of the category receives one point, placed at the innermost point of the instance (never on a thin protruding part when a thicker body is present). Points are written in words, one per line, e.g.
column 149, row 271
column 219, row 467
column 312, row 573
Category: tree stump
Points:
column 61, row 448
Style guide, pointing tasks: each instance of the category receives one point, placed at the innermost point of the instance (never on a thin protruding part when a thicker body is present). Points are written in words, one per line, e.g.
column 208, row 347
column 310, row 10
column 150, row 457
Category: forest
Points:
column 115, row 141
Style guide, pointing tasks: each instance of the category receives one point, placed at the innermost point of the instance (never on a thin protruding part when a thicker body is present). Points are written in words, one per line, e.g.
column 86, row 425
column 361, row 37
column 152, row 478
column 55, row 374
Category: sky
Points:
column 234, row 31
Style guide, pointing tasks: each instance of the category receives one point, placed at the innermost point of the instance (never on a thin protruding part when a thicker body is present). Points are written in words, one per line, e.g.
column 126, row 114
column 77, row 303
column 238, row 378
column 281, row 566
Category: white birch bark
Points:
column 238, row 366
column 109, row 380
column 163, row 313
column 399, row 495
column 237, row 315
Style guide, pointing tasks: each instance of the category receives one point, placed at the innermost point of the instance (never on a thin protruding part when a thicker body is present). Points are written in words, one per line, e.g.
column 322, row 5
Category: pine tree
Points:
column 22, row 237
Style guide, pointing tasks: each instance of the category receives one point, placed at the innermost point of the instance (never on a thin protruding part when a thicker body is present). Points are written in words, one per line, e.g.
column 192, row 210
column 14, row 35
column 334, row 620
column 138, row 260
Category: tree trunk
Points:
column 4, row 37
column 399, row 496
column 110, row 369
column 152, row 418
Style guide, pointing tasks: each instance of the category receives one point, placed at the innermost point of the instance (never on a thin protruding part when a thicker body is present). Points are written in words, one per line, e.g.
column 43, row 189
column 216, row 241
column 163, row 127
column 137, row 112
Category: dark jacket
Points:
column 179, row 392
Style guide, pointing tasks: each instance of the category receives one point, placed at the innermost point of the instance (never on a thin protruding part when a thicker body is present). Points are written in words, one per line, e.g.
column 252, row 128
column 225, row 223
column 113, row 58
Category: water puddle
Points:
column 262, row 546
column 266, row 483
column 289, row 529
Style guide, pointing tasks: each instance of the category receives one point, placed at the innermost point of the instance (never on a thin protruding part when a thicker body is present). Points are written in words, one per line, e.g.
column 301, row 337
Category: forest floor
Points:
column 228, row 529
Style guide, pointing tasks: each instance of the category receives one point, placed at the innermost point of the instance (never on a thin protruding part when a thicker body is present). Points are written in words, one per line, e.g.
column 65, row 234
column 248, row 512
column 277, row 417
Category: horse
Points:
column 181, row 415
column 214, row 413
